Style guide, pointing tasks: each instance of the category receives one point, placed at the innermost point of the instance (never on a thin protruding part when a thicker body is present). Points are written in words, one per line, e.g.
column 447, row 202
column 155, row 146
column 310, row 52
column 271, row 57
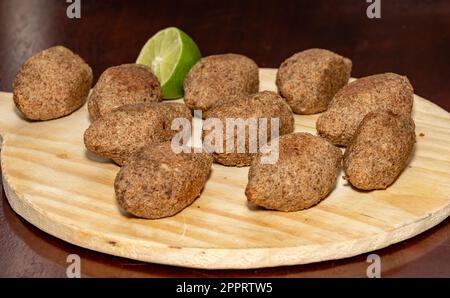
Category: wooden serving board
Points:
column 52, row 182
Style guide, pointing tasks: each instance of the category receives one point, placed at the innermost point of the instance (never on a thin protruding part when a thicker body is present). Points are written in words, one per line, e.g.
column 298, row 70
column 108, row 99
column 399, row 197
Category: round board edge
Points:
column 201, row 258
column 213, row 258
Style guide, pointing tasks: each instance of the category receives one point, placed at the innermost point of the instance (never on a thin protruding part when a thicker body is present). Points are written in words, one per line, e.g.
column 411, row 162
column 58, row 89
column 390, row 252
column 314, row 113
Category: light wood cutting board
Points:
column 52, row 182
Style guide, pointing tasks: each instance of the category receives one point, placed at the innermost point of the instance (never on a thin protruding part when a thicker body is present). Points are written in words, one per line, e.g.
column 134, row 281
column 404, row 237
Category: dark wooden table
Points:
column 411, row 38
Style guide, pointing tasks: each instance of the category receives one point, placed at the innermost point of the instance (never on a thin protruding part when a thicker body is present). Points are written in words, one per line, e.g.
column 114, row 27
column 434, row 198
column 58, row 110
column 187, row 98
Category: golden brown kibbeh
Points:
column 266, row 104
column 51, row 84
column 388, row 91
column 123, row 84
column 379, row 150
column 219, row 78
column 120, row 133
column 309, row 79
column 156, row 182
column 305, row 174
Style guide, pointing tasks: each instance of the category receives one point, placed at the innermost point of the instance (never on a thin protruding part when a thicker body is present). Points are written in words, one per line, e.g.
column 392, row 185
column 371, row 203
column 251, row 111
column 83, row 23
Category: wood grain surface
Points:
column 52, row 182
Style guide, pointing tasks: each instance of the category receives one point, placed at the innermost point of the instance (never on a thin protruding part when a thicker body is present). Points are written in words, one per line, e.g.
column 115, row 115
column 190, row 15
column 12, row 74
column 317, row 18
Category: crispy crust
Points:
column 266, row 104
column 219, row 78
column 305, row 173
column 123, row 84
column 156, row 182
column 120, row 133
column 386, row 91
column 51, row 84
column 309, row 79
column 379, row 150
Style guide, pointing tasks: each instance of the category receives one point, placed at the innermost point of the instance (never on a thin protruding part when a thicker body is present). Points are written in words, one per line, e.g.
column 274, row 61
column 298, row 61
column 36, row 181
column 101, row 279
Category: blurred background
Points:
column 412, row 37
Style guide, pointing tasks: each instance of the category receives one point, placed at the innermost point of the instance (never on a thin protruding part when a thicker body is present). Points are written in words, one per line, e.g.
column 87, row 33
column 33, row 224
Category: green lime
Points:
column 170, row 53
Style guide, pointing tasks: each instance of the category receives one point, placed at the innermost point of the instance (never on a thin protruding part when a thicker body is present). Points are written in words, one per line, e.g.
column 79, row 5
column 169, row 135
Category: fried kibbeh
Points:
column 304, row 174
column 388, row 91
column 156, row 182
column 51, row 84
column 217, row 79
column 309, row 79
column 379, row 151
column 120, row 133
column 121, row 85
column 266, row 104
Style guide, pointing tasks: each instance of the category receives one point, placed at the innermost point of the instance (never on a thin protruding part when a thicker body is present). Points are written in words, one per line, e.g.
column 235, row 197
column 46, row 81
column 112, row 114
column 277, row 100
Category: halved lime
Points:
column 170, row 53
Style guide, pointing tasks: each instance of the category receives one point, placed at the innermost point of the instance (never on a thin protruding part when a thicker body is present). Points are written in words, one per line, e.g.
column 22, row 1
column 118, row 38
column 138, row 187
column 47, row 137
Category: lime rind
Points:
column 170, row 53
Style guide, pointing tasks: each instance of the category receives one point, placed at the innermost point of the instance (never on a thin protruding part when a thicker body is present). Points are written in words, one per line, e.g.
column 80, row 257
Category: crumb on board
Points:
column 175, row 246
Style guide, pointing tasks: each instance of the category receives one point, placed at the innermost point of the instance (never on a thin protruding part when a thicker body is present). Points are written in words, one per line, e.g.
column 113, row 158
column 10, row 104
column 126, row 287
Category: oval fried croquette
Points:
column 120, row 133
column 156, row 182
column 379, row 150
column 51, row 84
column 305, row 173
column 388, row 91
column 123, row 84
column 309, row 79
column 266, row 104
column 219, row 78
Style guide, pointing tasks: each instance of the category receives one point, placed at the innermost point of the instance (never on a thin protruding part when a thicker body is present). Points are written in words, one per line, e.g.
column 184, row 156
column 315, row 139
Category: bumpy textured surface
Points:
column 123, row 84
column 266, row 104
column 387, row 91
column 51, row 84
column 305, row 173
column 219, row 78
column 379, row 150
column 156, row 182
column 309, row 79
column 120, row 133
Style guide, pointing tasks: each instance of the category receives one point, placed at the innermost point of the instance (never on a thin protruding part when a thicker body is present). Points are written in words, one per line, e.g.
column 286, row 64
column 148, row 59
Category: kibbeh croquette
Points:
column 51, row 84
column 121, row 85
column 156, row 182
column 309, row 79
column 266, row 104
column 121, row 132
column 305, row 173
column 379, row 151
column 388, row 91
column 217, row 79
